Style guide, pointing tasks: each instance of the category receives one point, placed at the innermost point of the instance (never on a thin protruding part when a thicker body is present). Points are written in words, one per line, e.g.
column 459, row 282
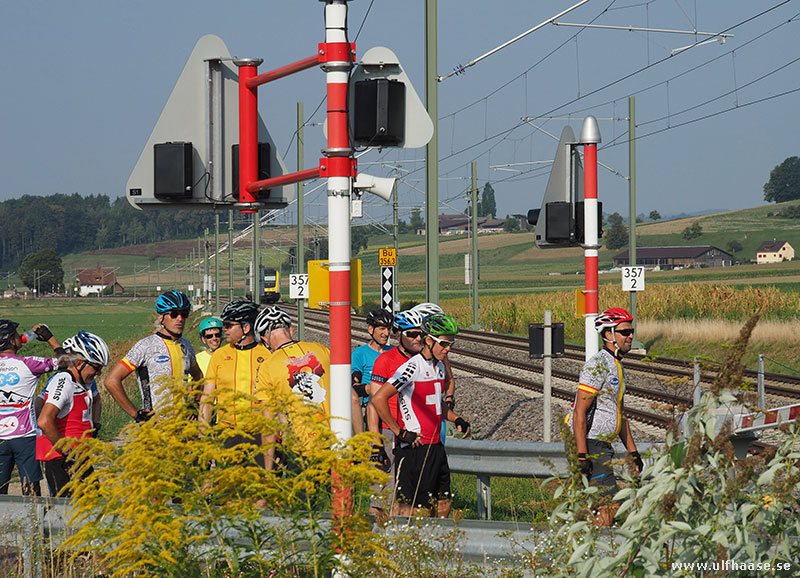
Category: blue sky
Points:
column 84, row 82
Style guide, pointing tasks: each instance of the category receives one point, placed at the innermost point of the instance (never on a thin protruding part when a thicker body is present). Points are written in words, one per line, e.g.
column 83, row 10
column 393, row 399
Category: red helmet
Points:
column 611, row 318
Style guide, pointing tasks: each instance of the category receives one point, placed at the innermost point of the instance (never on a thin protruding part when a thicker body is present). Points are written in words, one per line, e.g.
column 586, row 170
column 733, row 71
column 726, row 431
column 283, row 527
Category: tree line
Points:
column 74, row 223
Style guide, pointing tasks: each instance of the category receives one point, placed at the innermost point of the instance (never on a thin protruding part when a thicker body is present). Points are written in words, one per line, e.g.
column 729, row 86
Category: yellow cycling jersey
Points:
column 234, row 370
column 304, row 369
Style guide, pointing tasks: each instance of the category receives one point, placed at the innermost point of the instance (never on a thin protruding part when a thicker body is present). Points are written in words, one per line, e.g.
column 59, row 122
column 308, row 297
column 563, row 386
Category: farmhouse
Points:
column 672, row 257
column 774, row 252
column 459, row 224
column 95, row 281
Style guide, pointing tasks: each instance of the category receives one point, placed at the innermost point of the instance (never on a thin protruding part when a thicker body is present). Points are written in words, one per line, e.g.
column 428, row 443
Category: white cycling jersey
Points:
column 604, row 378
column 18, row 378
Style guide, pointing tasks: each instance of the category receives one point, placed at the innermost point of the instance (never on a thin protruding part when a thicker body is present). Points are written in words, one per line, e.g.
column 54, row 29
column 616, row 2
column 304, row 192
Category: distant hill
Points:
column 74, row 223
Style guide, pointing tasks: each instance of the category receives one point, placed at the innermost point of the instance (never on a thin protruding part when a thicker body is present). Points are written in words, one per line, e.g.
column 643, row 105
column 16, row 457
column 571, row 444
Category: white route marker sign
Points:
column 298, row 286
column 633, row 278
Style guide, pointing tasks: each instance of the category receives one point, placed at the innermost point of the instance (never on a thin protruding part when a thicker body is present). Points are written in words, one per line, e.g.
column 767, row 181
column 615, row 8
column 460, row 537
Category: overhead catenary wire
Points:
column 504, row 133
column 460, row 69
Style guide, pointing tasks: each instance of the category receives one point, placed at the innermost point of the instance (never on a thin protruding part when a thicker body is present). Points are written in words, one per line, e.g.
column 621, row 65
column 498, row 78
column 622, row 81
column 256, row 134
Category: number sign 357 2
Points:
column 633, row 278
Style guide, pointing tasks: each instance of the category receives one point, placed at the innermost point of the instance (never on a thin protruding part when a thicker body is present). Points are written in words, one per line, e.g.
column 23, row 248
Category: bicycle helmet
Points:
column 8, row 329
column 426, row 309
column 439, row 325
column 240, row 311
column 610, row 318
column 89, row 346
column 270, row 319
column 209, row 323
column 172, row 300
column 407, row 320
column 379, row 318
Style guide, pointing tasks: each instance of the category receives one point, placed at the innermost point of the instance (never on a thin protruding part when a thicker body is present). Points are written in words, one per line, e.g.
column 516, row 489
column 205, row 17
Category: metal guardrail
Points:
column 25, row 520
column 487, row 459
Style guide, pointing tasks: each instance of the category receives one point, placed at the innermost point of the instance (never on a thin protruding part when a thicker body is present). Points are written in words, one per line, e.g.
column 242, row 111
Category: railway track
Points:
column 317, row 320
column 528, row 384
column 781, row 385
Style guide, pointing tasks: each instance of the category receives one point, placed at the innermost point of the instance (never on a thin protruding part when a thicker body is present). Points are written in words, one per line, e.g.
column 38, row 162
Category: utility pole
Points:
column 256, row 286
column 230, row 254
column 300, row 266
column 432, row 153
column 632, row 207
column 395, row 234
column 474, row 254
column 216, row 262
column 206, row 272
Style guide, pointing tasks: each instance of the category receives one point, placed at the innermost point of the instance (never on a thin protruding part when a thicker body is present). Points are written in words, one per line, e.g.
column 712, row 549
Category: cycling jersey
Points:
column 384, row 368
column 303, row 368
column 74, row 418
column 202, row 358
column 420, row 387
column 604, row 378
column 18, row 377
column 155, row 359
column 362, row 360
column 234, row 370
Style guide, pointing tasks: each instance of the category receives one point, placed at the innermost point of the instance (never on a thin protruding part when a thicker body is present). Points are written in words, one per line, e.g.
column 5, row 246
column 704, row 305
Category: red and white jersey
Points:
column 74, row 418
column 420, row 390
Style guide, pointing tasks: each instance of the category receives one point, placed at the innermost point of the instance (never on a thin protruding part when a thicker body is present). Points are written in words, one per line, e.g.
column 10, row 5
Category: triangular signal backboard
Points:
column 380, row 62
column 203, row 109
column 564, row 185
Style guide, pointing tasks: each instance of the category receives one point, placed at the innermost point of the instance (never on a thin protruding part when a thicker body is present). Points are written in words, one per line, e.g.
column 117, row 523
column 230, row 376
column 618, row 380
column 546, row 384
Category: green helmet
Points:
column 209, row 323
column 439, row 325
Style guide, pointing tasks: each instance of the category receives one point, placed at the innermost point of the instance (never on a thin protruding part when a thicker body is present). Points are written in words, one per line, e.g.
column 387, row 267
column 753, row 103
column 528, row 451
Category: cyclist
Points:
column 157, row 358
column 233, row 367
column 18, row 377
column 426, row 309
column 597, row 414
column 67, row 410
column 302, row 367
column 406, row 326
column 211, row 336
column 422, row 475
column 379, row 325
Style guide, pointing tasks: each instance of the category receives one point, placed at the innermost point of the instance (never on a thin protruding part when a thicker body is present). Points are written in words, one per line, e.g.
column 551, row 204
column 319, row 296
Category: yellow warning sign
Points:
column 319, row 284
column 387, row 257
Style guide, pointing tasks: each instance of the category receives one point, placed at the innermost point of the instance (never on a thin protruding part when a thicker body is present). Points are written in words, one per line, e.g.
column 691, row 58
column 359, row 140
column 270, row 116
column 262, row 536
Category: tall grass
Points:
column 511, row 314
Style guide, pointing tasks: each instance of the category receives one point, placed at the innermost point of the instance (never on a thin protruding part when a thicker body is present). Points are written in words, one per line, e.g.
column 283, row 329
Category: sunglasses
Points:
column 98, row 368
column 624, row 332
column 413, row 334
column 443, row 342
column 229, row 324
column 175, row 313
column 216, row 335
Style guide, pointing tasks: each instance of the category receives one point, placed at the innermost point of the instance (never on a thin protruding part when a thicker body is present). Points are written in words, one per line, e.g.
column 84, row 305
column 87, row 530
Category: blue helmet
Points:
column 407, row 320
column 172, row 300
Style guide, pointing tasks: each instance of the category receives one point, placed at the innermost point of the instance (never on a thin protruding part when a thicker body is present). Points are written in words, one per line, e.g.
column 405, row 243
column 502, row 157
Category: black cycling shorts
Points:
column 422, row 475
column 602, row 453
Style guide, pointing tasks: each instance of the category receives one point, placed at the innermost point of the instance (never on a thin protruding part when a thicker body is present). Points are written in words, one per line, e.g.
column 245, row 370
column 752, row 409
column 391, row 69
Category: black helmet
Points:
column 8, row 329
column 379, row 318
column 240, row 311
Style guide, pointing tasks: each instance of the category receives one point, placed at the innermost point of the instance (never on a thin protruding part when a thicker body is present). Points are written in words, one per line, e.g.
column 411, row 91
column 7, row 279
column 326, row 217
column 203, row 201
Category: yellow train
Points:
column 271, row 283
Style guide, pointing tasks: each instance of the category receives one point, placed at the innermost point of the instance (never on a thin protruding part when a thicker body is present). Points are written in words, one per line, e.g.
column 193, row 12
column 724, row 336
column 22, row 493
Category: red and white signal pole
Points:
column 335, row 56
column 590, row 138
column 336, row 59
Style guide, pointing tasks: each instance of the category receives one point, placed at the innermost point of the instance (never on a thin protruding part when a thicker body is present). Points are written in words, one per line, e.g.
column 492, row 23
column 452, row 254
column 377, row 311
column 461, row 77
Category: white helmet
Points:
column 269, row 319
column 89, row 346
column 426, row 309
